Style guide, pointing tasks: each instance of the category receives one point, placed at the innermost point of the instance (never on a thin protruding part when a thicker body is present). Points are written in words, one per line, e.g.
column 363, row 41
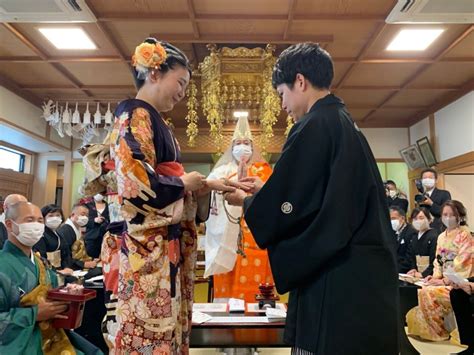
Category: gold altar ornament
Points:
column 237, row 79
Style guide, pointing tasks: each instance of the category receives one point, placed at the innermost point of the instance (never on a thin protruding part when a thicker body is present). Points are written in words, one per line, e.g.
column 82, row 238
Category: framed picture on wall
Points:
column 426, row 151
column 412, row 157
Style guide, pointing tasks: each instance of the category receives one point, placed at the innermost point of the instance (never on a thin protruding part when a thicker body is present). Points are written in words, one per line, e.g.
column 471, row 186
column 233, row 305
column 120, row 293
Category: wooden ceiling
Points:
column 381, row 88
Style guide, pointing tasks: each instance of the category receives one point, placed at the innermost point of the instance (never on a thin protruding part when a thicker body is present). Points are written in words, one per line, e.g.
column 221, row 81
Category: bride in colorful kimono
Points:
column 236, row 274
column 158, row 250
column 433, row 318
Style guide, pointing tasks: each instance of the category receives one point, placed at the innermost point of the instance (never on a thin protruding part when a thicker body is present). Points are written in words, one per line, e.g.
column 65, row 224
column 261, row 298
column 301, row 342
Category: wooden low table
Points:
column 237, row 335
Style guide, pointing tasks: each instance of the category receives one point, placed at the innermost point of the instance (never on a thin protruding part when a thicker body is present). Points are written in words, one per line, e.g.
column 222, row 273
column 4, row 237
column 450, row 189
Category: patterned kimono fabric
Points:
column 430, row 319
column 249, row 271
column 158, row 250
column 79, row 250
column 110, row 258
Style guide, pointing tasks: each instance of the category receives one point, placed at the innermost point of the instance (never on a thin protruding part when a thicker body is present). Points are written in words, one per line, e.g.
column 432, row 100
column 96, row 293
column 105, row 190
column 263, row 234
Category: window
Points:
column 9, row 159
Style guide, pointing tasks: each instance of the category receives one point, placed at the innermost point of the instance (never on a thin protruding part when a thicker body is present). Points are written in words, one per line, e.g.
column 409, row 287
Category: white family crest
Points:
column 286, row 208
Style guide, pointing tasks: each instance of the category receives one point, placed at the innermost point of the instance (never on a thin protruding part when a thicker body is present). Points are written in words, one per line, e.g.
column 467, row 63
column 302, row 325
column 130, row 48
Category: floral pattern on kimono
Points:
column 157, row 258
column 429, row 320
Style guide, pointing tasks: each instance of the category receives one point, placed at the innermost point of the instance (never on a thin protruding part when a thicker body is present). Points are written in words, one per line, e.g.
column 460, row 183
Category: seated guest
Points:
column 462, row 300
column 454, row 252
column 71, row 232
column 9, row 200
column 422, row 249
column 433, row 198
column 25, row 312
column 395, row 197
column 97, row 225
column 404, row 233
column 52, row 246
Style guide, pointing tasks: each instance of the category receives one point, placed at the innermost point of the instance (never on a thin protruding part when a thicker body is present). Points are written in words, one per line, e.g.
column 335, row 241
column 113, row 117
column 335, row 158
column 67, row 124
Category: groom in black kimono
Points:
column 323, row 217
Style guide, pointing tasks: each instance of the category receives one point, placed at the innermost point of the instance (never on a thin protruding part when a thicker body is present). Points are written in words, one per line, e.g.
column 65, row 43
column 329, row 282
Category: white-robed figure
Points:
column 236, row 275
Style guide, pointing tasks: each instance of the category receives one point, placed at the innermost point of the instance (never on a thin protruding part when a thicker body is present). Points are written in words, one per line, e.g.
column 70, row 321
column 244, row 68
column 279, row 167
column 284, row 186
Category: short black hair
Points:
column 399, row 210
column 416, row 212
column 78, row 205
column 51, row 208
column 174, row 57
column 390, row 182
column 429, row 170
column 308, row 59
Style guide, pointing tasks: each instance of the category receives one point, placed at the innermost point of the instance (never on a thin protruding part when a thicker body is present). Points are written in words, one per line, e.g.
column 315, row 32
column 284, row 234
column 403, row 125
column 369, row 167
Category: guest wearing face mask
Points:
column 9, row 200
column 52, row 246
column 433, row 197
column 25, row 312
column 97, row 225
column 454, row 251
column 72, row 233
column 395, row 197
column 404, row 233
column 422, row 249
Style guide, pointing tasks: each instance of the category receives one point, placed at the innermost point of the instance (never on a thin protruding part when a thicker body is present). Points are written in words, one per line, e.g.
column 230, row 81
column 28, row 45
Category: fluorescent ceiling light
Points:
column 238, row 114
column 414, row 40
column 68, row 38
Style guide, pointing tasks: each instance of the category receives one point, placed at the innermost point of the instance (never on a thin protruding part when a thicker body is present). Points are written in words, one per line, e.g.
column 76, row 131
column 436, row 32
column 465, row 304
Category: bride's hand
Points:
column 254, row 183
column 219, row 185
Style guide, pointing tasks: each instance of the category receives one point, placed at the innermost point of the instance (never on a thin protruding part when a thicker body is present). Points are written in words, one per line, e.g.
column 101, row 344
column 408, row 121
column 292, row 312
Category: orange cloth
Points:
column 249, row 271
column 171, row 168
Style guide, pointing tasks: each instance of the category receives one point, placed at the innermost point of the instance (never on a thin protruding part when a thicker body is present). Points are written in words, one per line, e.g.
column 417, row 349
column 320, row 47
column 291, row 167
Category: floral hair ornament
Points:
column 148, row 56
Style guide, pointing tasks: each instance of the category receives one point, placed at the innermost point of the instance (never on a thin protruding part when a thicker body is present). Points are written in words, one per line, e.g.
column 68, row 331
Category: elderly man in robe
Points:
column 26, row 314
column 9, row 200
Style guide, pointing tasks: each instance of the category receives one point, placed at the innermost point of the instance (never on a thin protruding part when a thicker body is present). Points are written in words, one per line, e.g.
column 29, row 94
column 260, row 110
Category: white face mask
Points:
column 99, row 198
column 450, row 222
column 428, row 183
column 242, row 150
column 395, row 224
column 392, row 193
column 53, row 222
column 82, row 220
column 29, row 233
column 420, row 224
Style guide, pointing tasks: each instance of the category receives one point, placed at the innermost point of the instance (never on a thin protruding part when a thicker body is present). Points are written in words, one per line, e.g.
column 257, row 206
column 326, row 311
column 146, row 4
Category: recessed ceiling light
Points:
column 68, row 38
column 414, row 40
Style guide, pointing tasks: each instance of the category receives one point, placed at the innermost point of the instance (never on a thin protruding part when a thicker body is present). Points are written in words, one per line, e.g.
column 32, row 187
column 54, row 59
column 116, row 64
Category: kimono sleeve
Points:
column 463, row 261
column 299, row 214
column 17, row 324
column 135, row 162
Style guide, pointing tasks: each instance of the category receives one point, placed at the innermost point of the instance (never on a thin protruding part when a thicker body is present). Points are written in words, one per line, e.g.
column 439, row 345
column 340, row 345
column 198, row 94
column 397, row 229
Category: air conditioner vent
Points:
column 432, row 11
column 45, row 11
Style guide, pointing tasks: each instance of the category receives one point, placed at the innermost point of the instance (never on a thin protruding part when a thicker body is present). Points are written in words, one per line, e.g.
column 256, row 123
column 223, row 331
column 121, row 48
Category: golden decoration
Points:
column 236, row 79
column 192, row 117
column 289, row 125
column 211, row 104
column 271, row 104
column 169, row 123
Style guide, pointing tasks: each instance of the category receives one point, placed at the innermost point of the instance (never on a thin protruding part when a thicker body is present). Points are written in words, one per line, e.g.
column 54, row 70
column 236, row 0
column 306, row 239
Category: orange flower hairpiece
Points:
column 148, row 56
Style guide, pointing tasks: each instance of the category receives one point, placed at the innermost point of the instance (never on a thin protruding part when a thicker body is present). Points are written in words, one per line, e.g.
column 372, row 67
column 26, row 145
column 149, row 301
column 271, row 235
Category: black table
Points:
column 236, row 335
column 270, row 335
